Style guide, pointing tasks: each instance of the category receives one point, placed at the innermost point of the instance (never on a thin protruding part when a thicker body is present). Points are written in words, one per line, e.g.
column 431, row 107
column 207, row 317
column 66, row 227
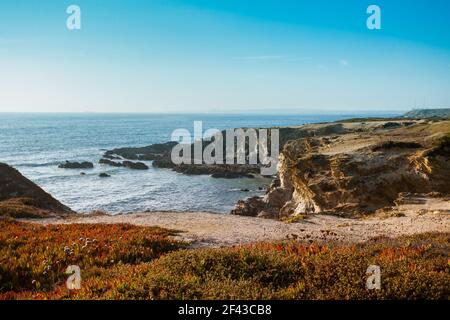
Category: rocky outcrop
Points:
column 325, row 132
column 110, row 163
column 126, row 164
column 216, row 171
column 160, row 154
column 251, row 207
column 359, row 172
column 19, row 197
column 76, row 165
column 111, row 157
column 152, row 152
column 135, row 165
column 231, row 171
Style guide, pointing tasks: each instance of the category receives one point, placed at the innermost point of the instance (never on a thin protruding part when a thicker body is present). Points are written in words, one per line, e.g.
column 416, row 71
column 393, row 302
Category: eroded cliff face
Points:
column 368, row 168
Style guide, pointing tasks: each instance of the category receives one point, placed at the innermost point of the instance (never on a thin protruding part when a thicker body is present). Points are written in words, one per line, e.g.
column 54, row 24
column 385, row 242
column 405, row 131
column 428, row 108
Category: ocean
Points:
column 35, row 143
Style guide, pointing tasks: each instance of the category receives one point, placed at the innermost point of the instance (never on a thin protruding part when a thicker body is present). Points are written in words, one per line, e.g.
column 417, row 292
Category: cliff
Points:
column 370, row 166
column 19, row 197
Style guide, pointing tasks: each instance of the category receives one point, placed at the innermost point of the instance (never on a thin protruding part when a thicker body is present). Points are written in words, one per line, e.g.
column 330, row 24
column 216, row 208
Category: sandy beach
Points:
column 217, row 230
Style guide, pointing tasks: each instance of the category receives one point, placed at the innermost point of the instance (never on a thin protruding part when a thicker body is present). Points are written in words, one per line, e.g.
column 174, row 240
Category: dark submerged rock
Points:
column 110, row 163
column 76, row 165
column 152, row 152
column 135, row 165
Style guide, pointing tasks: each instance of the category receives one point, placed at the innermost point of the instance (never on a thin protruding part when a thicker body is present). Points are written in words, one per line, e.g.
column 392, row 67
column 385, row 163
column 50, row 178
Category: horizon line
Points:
column 266, row 112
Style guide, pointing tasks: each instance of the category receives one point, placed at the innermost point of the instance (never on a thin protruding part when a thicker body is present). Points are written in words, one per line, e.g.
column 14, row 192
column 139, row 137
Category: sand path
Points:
column 216, row 230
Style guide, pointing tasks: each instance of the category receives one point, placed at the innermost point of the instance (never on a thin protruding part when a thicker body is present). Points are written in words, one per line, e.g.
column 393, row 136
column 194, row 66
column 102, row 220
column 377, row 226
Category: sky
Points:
column 224, row 56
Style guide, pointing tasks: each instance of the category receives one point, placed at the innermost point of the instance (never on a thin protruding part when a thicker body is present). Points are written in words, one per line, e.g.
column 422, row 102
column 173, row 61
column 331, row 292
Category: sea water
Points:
column 36, row 143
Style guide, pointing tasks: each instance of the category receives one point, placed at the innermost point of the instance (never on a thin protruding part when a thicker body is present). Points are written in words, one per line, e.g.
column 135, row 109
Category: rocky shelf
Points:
column 367, row 169
column 76, row 165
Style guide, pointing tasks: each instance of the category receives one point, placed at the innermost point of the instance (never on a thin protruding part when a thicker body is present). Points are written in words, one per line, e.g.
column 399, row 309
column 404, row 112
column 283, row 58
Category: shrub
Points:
column 21, row 208
column 413, row 267
column 35, row 257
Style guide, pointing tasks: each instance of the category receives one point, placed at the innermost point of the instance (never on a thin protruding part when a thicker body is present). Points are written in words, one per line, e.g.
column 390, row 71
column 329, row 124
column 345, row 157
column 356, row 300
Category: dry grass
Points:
column 22, row 208
column 127, row 262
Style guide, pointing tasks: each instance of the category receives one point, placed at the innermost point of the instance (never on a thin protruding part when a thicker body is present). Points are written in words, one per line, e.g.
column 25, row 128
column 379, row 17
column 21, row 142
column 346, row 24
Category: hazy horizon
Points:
column 230, row 112
column 224, row 56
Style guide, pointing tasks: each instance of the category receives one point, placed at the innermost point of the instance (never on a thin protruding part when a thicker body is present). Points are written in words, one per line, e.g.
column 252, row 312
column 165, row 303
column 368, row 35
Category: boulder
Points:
column 250, row 207
column 135, row 165
column 111, row 157
column 110, row 163
column 76, row 165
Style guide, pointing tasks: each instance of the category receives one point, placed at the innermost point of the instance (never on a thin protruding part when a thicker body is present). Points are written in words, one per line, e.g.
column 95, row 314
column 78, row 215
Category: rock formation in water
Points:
column 135, row 165
column 104, row 175
column 125, row 164
column 161, row 154
column 76, row 165
column 110, row 163
column 152, row 152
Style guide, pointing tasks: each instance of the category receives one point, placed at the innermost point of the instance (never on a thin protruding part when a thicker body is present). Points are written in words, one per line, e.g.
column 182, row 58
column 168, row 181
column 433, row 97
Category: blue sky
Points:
column 224, row 56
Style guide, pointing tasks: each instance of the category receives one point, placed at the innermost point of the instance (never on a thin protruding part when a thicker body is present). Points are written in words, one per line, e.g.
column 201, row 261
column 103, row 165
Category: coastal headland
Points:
column 362, row 190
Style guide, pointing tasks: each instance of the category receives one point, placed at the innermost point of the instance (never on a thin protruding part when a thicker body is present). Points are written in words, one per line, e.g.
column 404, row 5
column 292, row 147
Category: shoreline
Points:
column 204, row 229
column 345, row 198
column 345, row 182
